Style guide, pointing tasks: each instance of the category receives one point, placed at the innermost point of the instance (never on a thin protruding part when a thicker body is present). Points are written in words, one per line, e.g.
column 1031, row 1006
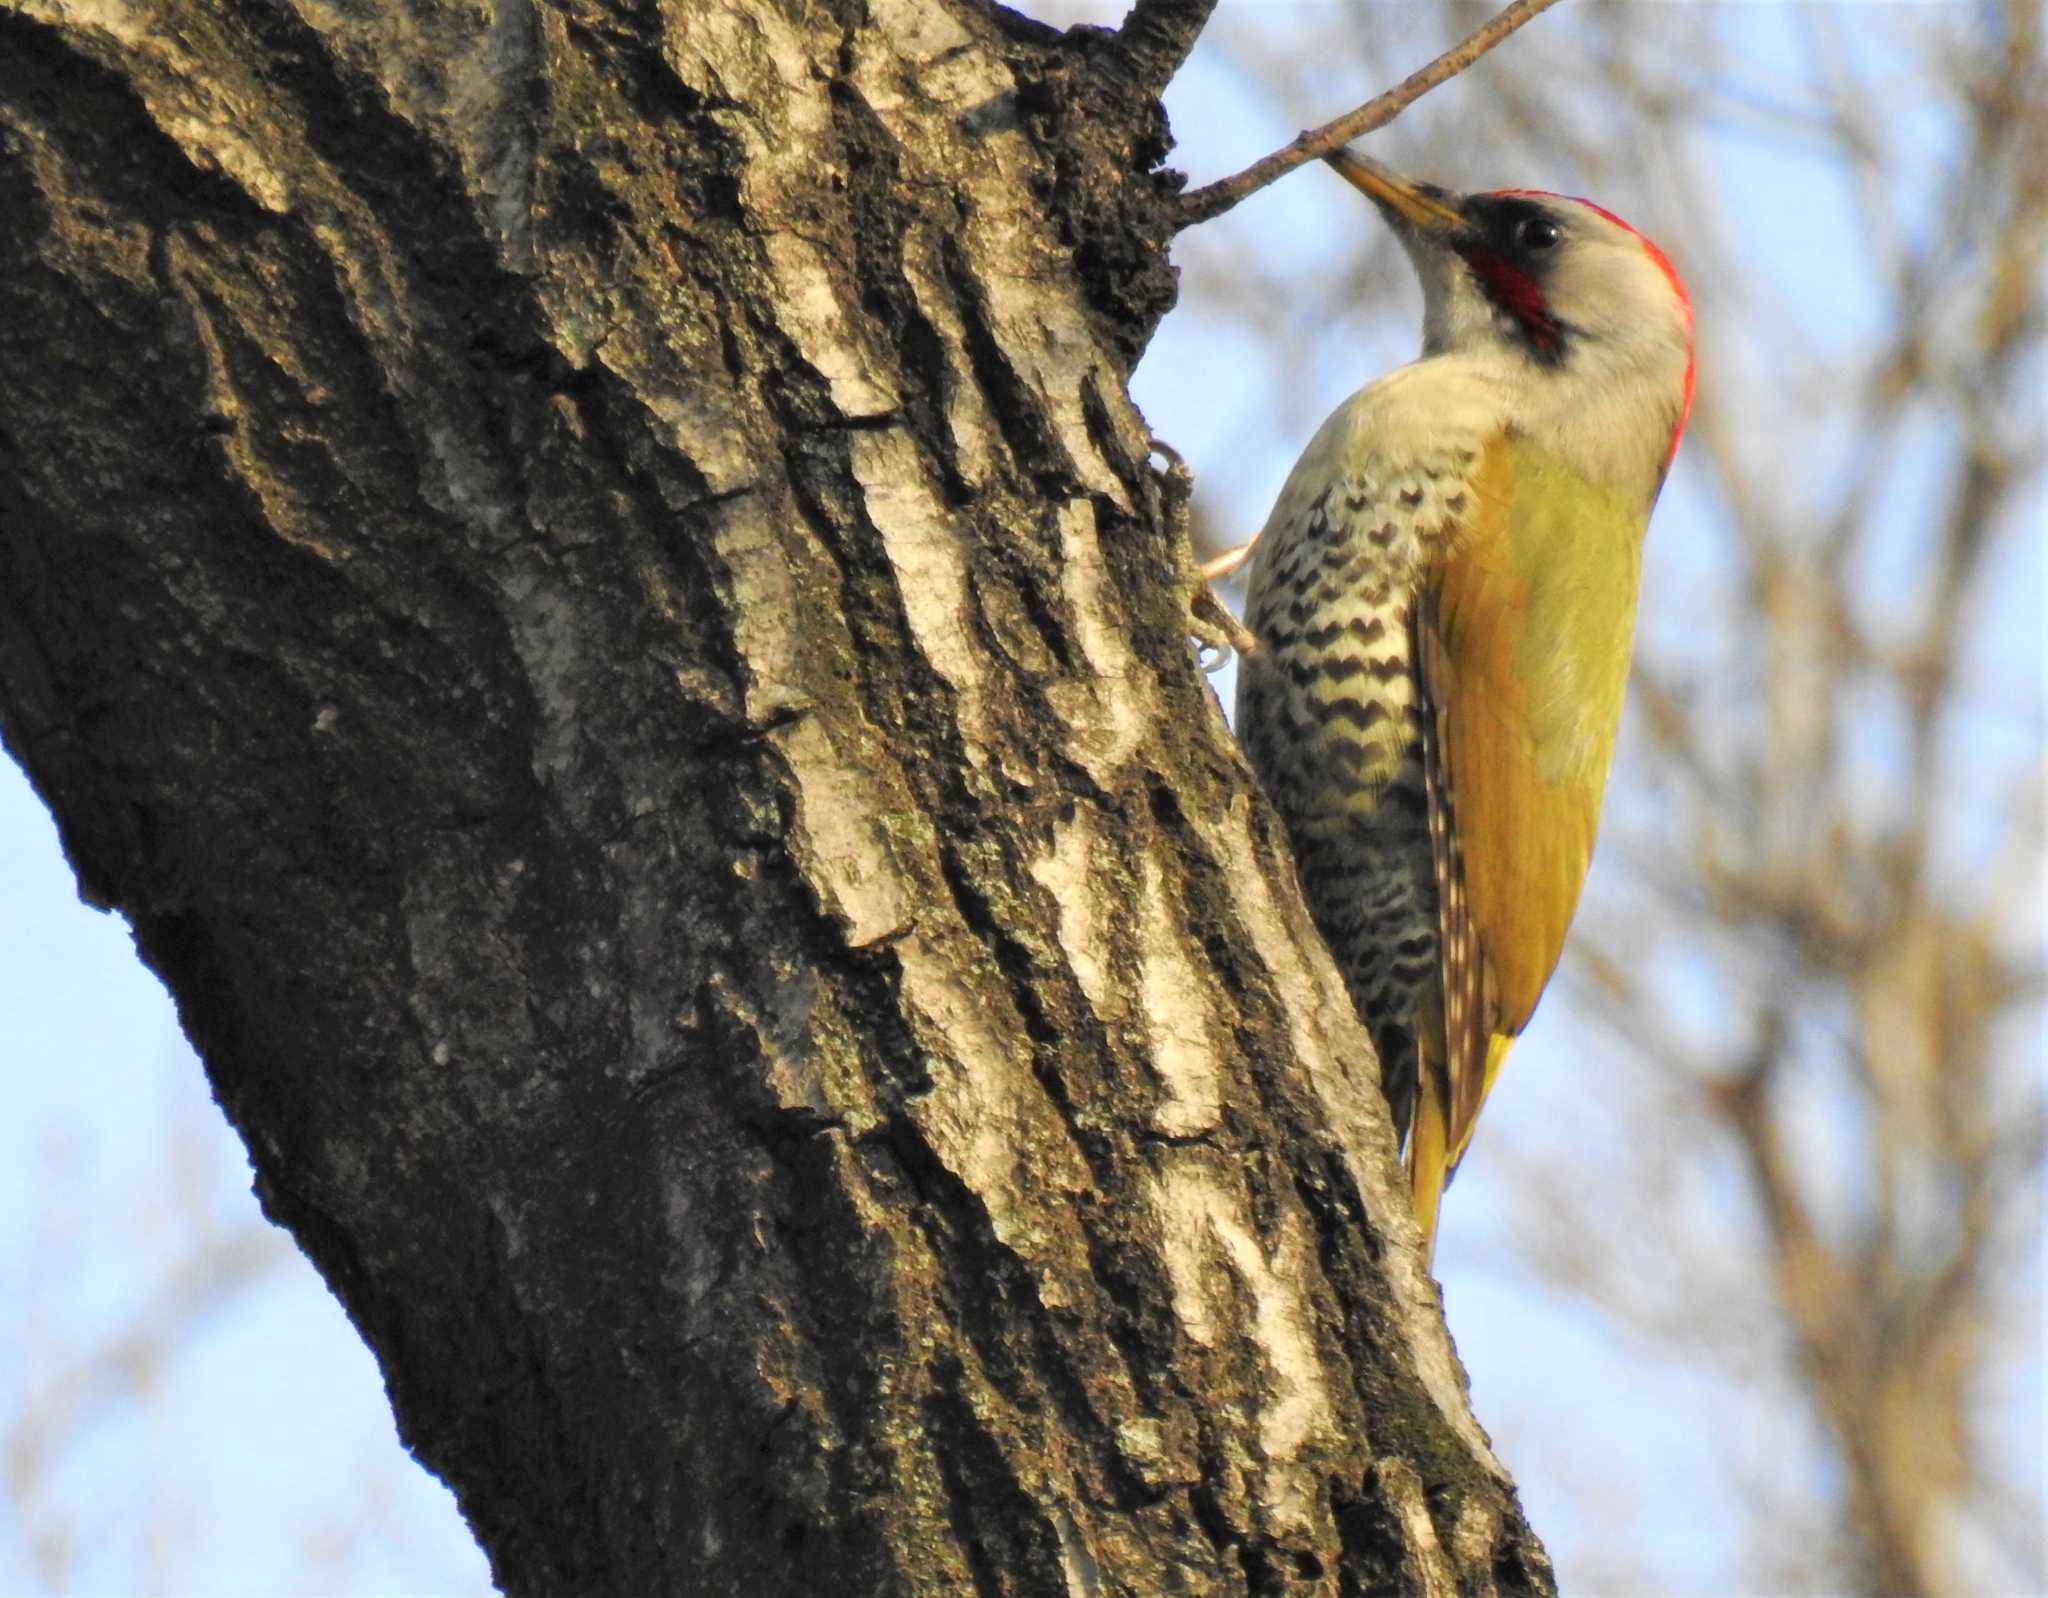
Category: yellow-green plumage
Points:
column 1524, row 634
column 1443, row 827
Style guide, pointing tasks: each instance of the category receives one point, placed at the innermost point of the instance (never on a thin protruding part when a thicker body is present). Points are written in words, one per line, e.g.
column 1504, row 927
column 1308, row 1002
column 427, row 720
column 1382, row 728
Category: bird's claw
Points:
column 1209, row 621
column 1216, row 630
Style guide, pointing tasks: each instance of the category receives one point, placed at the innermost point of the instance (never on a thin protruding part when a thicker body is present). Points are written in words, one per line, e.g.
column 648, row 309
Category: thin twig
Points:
column 1213, row 199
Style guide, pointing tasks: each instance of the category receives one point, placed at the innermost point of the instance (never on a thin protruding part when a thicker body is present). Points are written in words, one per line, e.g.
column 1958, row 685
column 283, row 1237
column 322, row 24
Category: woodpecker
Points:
column 1443, row 601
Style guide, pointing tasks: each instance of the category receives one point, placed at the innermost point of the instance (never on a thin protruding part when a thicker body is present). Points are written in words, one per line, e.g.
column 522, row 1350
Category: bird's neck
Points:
column 1603, row 413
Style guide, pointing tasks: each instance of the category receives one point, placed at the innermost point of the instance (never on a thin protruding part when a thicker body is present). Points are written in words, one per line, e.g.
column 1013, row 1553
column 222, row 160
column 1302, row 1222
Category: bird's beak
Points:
column 1421, row 209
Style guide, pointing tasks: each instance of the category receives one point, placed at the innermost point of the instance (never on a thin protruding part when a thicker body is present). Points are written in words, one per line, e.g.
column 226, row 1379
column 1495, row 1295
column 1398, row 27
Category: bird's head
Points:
column 1566, row 293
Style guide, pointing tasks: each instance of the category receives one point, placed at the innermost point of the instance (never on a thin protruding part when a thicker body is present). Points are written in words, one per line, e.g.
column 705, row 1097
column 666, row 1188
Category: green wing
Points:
column 1523, row 633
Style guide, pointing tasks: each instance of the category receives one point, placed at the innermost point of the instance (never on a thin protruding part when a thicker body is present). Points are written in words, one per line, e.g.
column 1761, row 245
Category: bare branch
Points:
column 1213, row 199
column 1156, row 37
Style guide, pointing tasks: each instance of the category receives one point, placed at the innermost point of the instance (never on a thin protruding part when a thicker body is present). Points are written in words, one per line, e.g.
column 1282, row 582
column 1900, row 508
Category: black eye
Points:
column 1538, row 233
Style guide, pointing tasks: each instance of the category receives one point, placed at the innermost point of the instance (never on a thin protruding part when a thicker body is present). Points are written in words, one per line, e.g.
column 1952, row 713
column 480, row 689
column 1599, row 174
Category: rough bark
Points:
column 585, row 577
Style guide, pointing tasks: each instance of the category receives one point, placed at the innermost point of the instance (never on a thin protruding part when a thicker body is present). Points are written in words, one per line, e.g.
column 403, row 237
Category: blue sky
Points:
column 259, row 1457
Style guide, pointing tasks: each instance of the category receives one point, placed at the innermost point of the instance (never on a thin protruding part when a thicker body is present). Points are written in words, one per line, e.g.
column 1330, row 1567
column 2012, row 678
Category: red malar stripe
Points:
column 1515, row 292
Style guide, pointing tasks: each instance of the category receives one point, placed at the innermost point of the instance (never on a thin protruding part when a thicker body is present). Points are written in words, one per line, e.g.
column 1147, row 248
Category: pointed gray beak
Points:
column 1402, row 200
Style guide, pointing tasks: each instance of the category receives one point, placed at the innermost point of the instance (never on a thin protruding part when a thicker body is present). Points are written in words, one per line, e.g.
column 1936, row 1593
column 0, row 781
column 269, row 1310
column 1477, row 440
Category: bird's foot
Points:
column 1218, row 567
column 1209, row 621
column 1218, row 633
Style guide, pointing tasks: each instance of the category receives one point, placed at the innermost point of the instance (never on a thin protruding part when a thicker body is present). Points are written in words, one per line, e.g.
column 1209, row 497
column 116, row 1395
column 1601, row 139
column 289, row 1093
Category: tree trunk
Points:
column 585, row 577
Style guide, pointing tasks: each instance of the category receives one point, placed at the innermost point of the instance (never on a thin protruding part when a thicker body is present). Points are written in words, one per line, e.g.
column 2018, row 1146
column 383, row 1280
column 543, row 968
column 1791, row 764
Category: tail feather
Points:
column 1431, row 1155
column 1429, row 1162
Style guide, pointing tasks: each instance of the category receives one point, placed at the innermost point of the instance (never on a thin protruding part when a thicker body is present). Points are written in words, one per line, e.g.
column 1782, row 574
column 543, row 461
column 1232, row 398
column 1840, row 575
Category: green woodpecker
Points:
column 1443, row 601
